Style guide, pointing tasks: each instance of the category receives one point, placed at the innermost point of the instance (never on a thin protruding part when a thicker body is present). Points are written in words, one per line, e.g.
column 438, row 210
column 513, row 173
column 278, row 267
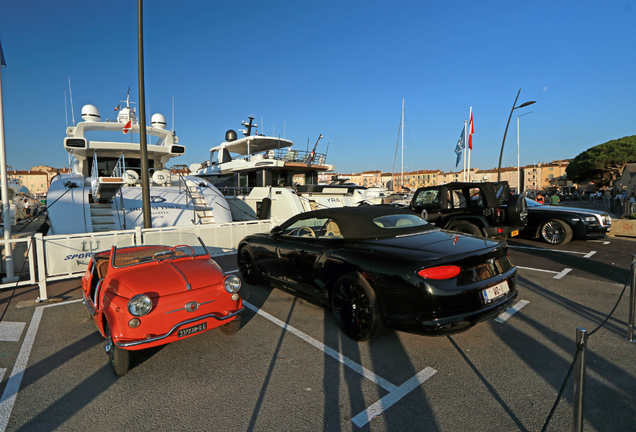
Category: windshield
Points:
column 533, row 203
column 399, row 221
column 157, row 246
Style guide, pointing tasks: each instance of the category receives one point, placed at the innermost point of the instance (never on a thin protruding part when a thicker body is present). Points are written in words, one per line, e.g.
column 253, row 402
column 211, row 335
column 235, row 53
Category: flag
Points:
column 2, row 62
column 118, row 106
column 461, row 145
column 471, row 129
column 127, row 127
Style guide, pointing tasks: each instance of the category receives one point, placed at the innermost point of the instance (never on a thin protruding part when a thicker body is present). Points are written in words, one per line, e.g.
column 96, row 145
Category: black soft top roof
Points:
column 357, row 222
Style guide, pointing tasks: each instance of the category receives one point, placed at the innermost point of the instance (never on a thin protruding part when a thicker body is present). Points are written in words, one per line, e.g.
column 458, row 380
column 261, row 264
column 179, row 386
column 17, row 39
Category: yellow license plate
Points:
column 514, row 233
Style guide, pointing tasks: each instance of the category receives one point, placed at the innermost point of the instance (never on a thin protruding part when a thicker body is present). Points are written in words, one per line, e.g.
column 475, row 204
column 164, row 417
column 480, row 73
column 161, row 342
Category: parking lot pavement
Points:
column 290, row 368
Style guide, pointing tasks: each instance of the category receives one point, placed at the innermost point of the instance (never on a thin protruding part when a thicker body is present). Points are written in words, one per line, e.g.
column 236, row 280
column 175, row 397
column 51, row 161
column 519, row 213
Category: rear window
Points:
column 399, row 221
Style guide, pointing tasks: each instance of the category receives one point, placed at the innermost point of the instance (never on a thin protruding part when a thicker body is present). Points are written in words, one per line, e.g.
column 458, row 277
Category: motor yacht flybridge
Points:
column 259, row 174
column 103, row 190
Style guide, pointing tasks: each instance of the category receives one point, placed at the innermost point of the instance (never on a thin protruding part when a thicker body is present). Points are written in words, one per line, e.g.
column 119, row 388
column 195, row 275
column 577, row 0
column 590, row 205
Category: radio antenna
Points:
column 172, row 113
column 71, row 95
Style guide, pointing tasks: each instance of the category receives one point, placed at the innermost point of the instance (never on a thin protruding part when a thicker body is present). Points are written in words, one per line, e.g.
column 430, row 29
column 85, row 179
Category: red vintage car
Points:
column 149, row 295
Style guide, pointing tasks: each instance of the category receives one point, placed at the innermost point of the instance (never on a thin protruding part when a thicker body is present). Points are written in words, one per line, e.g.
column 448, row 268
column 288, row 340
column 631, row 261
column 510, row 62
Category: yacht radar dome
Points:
column 158, row 121
column 90, row 113
column 230, row 136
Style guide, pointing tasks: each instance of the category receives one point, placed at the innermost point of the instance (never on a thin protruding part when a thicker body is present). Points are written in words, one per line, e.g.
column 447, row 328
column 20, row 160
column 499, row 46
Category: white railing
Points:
column 23, row 252
column 67, row 256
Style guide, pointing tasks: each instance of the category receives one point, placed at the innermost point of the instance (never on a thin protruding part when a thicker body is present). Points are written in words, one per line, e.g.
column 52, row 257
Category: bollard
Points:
column 579, row 379
column 632, row 301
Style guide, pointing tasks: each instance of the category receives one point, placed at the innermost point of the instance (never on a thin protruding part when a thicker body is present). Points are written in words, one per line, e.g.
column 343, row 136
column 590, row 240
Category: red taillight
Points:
column 442, row 272
column 500, row 230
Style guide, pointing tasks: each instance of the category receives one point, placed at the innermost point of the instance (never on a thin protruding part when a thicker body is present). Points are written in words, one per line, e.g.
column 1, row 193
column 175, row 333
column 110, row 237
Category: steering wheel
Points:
column 300, row 230
column 178, row 246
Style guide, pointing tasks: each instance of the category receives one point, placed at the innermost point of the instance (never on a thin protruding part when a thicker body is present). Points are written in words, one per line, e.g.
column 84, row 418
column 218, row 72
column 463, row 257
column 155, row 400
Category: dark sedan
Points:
column 378, row 266
column 558, row 224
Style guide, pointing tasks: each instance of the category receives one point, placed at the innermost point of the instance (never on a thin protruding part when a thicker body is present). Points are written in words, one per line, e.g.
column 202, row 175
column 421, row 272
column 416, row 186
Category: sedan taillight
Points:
column 441, row 272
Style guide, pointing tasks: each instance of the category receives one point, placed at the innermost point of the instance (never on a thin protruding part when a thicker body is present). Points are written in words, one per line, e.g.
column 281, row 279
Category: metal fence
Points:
column 57, row 257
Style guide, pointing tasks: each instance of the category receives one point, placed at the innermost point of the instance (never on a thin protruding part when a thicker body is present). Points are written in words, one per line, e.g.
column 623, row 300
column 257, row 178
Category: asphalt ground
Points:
column 289, row 368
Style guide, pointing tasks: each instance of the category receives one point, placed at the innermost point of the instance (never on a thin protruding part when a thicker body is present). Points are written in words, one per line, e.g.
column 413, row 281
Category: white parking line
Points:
column 388, row 400
column 329, row 351
column 13, row 384
column 559, row 275
column 11, row 331
column 395, row 393
column 587, row 254
column 2, row 371
column 511, row 311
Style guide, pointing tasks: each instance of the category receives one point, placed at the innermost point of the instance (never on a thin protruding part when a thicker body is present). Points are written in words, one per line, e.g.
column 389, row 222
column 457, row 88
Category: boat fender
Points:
column 266, row 204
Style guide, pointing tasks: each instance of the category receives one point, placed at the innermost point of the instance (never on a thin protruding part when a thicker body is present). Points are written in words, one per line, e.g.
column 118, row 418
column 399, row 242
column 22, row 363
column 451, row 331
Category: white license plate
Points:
column 192, row 330
column 496, row 291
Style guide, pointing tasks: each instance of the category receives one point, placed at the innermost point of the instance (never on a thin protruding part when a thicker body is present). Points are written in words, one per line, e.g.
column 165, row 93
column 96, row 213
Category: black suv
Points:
column 485, row 209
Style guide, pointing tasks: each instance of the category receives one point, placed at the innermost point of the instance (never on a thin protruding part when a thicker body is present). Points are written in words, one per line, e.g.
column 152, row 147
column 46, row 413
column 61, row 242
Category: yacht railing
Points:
column 120, row 167
column 283, row 154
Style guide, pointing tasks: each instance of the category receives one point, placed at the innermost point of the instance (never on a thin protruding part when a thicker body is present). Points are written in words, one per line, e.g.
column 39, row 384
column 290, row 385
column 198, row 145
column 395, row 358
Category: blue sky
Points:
column 336, row 68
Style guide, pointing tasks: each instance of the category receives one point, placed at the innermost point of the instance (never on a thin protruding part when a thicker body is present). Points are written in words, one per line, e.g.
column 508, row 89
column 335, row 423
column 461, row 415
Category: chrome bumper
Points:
column 172, row 330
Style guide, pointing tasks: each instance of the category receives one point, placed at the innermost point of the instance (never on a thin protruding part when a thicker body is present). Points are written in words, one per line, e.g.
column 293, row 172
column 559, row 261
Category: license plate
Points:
column 514, row 233
column 192, row 330
column 496, row 291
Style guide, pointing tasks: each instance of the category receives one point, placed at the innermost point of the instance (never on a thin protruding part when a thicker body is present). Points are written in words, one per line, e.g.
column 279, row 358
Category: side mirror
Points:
column 276, row 231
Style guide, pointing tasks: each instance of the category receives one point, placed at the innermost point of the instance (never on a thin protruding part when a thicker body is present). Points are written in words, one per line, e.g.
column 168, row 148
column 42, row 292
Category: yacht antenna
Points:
column 248, row 126
column 172, row 113
column 71, row 94
column 65, row 109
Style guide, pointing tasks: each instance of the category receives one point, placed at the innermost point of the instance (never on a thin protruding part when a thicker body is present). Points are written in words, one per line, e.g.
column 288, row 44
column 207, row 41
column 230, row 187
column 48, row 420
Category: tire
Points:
column 517, row 210
column 468, row 228
column 247, row 266
column 556, row 232
column 356, row 309
column 119, row 358
column 232, row 327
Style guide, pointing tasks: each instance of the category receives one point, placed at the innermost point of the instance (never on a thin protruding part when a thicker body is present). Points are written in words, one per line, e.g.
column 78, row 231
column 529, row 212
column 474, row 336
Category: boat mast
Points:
column 402, row 144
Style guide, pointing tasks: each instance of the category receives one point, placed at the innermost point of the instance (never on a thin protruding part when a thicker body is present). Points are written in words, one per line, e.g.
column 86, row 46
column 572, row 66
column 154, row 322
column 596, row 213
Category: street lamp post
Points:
column 506, row 131
column 518, row 176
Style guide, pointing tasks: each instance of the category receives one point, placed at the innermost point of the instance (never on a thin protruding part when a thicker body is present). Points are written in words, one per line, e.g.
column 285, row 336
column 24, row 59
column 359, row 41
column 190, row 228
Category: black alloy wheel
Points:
column 556, row 232
column 247, row 266
column 119, row 358
column 355, row 307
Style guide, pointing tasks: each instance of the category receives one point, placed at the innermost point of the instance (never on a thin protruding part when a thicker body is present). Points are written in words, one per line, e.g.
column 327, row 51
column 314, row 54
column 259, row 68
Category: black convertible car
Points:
column 378, row 266
column 558, row 225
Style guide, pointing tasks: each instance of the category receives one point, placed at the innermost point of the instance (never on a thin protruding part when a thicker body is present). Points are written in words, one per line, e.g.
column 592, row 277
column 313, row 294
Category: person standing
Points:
column 540, row 199
column 27, row 208
column 554, row 199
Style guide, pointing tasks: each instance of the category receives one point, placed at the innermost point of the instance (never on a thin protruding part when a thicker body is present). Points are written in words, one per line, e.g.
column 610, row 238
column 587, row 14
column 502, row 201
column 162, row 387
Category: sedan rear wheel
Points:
column 556, row 231
column 119, row 358
column 355, row 306
column 247, row 266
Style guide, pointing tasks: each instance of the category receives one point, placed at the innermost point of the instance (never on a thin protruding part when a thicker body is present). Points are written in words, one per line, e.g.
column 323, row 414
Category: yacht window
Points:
column 214, row 157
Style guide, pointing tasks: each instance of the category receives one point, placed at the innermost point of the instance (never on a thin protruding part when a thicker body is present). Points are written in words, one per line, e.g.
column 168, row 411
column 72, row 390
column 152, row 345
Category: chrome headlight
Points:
column 139, row 305
column 590, row 219
column 232, row 284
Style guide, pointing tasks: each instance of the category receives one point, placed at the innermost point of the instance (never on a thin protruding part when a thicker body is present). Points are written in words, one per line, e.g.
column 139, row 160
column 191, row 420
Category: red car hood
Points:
column 160, row 278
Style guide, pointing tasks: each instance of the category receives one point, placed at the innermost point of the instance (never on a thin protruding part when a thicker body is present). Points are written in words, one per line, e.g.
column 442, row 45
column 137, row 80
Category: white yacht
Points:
column 256, row 175
column 103, row 191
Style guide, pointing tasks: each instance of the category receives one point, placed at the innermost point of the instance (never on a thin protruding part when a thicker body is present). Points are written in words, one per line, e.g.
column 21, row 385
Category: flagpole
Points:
column 6, row 205
column 465, row 147
column 469, row 142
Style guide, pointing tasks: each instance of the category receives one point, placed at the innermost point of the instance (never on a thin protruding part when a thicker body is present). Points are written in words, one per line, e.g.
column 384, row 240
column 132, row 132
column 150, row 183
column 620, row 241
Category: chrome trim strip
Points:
column 183, row 308
column 172, row 330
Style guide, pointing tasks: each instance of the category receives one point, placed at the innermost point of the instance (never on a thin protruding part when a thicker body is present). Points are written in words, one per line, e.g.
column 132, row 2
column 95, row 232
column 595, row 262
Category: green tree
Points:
column 603, row 162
